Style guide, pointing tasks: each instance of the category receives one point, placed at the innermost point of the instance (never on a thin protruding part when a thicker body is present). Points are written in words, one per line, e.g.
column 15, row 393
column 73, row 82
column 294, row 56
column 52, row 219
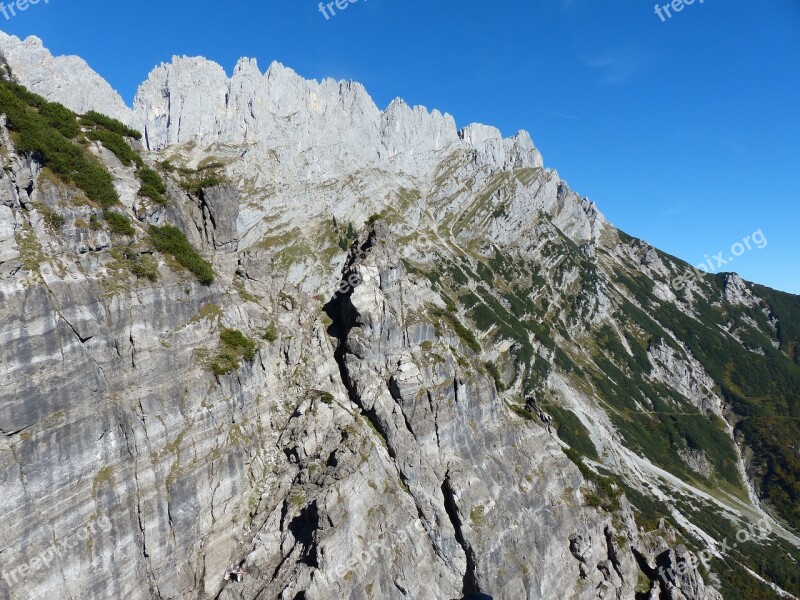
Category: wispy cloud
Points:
column 615, row 67
column 550, row 112
column 672, row 211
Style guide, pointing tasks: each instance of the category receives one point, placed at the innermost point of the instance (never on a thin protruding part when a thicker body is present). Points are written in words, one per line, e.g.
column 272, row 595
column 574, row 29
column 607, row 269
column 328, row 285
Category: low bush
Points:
column 152, row 185
column 116, row 144
column 93, row 118
column 142, row 266
column 118, row 223
column 171, row 240
column 61, row 119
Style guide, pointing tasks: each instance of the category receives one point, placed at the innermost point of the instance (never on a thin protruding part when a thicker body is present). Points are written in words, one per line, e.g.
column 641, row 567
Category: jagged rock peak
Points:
column 65, row 79
column 302, row 121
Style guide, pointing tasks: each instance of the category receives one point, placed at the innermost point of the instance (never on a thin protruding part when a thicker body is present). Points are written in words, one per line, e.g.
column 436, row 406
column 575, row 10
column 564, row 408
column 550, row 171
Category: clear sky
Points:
column 686, row 131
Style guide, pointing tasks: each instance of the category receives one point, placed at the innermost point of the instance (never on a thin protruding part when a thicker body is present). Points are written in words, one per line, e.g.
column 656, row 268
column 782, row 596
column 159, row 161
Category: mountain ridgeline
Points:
column 256, row 322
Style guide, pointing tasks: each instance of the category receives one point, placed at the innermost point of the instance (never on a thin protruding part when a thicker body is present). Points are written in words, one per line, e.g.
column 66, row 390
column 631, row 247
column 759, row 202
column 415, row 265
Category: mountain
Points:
column 255, row 321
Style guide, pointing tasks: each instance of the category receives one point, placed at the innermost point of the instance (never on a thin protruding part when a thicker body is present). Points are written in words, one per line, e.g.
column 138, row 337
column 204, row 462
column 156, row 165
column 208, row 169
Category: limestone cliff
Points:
column 359, row 354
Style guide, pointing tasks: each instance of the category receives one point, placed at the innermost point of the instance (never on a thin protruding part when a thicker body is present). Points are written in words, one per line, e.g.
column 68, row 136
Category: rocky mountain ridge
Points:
column 423, row 367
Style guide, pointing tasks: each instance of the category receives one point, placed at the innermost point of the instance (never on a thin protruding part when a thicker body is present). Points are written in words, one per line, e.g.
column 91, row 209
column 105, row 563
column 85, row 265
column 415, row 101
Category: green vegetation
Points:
column 52, row 218
column 235, row 346
column 606, row 493
column 167, row 166
column 495, row 373
column 760, row 383
column 60, row 118
column 373, row 218
column 762, row 389
column 461, row 331
column 171, row 240
column 93, row 118
column 116, row 144
column 143, row 266
column 572, row 431
column 344, row 238
column 104, row 476
column 198, row 185
column 111, row 134
column 43, row 129
column 270, row 334
column 152, row 185
column 118, row 223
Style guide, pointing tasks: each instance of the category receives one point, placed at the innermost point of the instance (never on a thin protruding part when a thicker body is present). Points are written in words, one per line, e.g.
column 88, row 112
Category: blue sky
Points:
column 685, row 132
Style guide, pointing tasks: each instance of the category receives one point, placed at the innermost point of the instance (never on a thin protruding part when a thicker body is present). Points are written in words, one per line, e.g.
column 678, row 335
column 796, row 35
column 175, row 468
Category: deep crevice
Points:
column 470, row 585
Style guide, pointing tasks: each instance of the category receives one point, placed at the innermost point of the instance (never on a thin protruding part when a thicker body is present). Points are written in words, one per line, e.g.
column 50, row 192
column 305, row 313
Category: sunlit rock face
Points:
column 425, row 369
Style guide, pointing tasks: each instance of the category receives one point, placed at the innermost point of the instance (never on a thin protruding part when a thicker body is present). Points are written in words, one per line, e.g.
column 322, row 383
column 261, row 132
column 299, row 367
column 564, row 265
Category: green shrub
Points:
column 95, row 118
column 61, row 119
column 235, row 346
column 606, row 494
column 118, row 223
column 152, row 185
column 116, row 144
column 171, row 240
column 238, row 341
column 36, row 134
column 495, row 373
column 167, row 166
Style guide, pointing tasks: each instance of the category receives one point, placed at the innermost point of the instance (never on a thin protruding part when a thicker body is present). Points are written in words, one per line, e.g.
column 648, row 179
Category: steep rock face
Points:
column 456, row 446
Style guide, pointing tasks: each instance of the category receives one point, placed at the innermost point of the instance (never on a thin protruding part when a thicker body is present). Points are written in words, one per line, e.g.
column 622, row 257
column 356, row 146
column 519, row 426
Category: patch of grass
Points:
column 572, row 431
column 207, row 311
column 606, row 492
column 195, row 186
column 171, row 240
column 270, row 334
column 104, row 475
column 495, row 373
column 141, row 265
